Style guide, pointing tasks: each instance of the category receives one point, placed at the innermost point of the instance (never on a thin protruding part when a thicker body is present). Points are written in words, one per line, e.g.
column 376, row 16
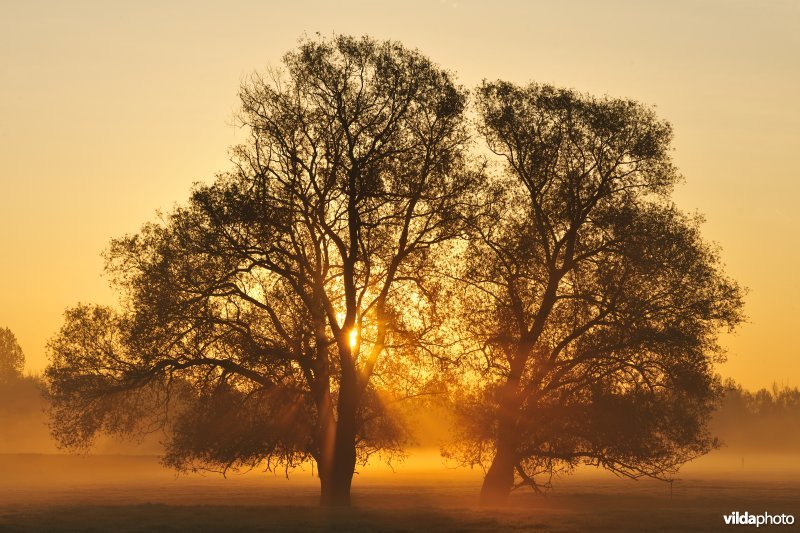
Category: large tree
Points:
column 267, row 304
column 593, row 302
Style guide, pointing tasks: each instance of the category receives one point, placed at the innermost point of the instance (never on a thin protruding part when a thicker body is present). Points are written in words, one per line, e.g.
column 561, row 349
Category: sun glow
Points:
column 353, row 335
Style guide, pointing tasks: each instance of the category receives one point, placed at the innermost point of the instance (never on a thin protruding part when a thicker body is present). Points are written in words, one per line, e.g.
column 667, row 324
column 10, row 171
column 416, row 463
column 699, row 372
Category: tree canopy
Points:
column 360, row 246
column 271, row 298
column 593, row 302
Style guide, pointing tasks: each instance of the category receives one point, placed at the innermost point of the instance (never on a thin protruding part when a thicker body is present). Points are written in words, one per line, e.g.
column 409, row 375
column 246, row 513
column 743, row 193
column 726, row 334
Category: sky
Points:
column 109, row 111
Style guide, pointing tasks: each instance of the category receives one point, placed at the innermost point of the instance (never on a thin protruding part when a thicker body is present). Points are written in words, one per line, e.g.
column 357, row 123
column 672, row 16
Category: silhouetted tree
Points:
column 593, row 301
column 268, row 304
column 12, row 360
column 275, row 315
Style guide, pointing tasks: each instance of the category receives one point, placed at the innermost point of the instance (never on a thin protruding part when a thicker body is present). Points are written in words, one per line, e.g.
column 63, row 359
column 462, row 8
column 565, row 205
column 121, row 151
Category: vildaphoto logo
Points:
column 746, row 519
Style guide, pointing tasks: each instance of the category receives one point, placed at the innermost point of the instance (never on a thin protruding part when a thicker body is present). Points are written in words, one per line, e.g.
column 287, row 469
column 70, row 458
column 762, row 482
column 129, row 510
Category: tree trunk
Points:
column 336, row 481
column 337, row 476
column 335, row 486
column 499, row 479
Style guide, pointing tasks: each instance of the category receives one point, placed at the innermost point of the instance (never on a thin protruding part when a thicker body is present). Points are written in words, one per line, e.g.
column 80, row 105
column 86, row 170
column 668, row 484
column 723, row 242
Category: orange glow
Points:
column 88, row 77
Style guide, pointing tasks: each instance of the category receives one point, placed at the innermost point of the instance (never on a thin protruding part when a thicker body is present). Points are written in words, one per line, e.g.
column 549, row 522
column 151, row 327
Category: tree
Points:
column 12, row 360
column 763, row 420
column 593, row 302
column 265, row 308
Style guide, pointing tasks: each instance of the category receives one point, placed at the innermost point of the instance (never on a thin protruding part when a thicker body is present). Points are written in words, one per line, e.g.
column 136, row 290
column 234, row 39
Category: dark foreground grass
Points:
column 388, row 511
column 106, row 494
column 159, row 517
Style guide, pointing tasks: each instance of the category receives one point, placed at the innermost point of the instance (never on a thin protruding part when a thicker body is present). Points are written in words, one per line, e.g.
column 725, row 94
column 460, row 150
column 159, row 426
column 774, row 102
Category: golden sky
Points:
column 110, row 110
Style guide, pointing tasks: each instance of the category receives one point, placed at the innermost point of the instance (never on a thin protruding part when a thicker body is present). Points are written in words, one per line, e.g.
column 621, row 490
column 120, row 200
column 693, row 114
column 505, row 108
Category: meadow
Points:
column 50, row 492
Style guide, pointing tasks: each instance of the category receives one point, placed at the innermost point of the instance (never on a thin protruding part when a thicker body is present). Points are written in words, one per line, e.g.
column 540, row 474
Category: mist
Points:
column 758, row 431
column 119, row 484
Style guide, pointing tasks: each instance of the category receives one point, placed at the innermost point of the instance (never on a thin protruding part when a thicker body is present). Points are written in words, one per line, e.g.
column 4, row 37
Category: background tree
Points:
column 765, row 420
column 593, row 301
column 12, row 360
column 268, row 303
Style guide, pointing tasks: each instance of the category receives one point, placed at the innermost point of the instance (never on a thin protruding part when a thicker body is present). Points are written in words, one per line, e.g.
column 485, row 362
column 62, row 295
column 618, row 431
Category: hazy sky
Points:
column 109, row 111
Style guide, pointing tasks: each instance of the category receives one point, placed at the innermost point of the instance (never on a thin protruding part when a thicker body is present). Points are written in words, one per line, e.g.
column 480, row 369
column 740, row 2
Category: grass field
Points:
column 133, row 493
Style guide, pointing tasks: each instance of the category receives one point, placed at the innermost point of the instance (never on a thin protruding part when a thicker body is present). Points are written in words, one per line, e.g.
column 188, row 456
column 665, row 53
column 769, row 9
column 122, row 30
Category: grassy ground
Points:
column 58, row 493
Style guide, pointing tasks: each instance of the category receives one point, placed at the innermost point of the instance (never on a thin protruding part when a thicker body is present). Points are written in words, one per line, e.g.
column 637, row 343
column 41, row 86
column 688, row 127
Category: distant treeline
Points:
column 766, row 420
column 24, row 422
